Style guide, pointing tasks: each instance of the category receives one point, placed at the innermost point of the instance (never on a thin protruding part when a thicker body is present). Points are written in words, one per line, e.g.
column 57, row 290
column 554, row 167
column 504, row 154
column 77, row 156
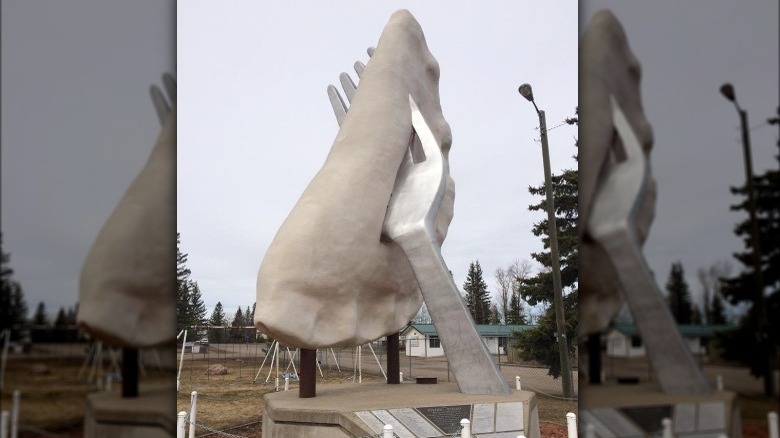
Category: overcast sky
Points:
column 255, row 123
column 78, row 126
column 687, row 50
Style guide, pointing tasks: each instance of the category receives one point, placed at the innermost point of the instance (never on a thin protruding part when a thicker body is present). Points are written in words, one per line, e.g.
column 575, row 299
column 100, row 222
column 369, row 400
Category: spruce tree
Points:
column 477, row 296
column 717, row 311
column 218, row 318
column 13, row 309
column 40, row 318
column 679, row 298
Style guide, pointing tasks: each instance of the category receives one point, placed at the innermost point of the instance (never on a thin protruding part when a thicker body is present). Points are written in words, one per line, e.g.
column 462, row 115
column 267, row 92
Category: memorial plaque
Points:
column 371, row 420
column 446, row 418
column 484, row 417
column 509, row 416
column 415, row 422
column 648, row 417
column 684, row 417
column 398, row 427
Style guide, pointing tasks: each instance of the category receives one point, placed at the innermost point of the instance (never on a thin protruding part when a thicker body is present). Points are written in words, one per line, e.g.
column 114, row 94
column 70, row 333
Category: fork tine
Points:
column 160, row 105
column 371, row 51
column 339, row 107
column 170, row 86
column 631, row 147
column 359, row 67
column 347, row 85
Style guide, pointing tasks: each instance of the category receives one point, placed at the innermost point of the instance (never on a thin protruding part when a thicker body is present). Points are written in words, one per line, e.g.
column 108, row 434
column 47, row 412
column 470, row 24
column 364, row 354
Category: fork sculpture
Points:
column 614, row 212
column 409, row 222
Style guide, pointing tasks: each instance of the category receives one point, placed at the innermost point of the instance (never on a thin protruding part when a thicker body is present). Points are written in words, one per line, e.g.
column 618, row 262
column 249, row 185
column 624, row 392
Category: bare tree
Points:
column 507, row 280
column 710, row 284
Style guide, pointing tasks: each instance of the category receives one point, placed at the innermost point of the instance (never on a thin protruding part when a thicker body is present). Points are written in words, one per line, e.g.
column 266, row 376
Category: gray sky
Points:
column 255, row 123
column 78, row 125
column 687, row 50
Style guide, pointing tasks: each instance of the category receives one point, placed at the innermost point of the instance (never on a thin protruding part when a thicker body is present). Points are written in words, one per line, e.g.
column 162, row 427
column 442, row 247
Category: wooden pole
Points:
column 308, row 376
column 393, row 360
column 129, row 372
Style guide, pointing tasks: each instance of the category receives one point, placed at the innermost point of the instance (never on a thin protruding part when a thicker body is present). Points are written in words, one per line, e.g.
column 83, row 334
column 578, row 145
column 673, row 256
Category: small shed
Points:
column 623, row 340
column 422, row 340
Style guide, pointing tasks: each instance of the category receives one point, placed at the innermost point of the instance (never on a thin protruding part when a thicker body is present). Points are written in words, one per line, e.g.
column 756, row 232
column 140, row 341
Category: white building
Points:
column 421, row 340
column 623, row 340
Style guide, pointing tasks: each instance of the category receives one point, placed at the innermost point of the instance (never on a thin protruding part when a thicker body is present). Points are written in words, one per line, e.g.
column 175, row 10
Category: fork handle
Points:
column 672, row 361
column 471, row 362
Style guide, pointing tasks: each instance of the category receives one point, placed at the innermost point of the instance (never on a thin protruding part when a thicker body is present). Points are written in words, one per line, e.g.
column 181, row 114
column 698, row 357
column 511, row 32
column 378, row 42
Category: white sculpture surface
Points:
column 328, row 278
column 128, row 281
column 607, row 67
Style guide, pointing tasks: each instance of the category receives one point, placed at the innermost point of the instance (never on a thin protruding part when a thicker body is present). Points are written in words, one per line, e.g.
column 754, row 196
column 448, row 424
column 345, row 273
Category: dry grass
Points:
column 55, row 402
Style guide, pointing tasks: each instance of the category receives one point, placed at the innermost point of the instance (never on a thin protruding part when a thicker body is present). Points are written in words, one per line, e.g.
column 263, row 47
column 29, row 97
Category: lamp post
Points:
column 563, row 348
column 727, row 90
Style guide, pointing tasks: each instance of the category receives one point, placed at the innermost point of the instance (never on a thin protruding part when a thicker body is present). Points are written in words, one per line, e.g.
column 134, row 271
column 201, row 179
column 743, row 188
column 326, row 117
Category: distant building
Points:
column 421, row 340
column 623, row 339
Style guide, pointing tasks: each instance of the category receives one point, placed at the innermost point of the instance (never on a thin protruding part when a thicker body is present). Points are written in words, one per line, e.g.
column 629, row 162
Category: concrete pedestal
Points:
column 150, row 415
column 637, row 410
column 355, row 410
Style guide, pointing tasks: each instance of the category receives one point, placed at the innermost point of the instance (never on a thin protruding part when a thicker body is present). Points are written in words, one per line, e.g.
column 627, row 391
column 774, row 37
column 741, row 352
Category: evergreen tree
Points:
column 218, row 318
column 61, row 320
column 196, row 309
column 696, row 316
column 743, row 345
column 539, row 344
column 717, row 311
column 495, row 316
column 13, row 309
column 477, row 296
column 679, row 299
column 182, row 288
column 516, row 314
column 40, row 317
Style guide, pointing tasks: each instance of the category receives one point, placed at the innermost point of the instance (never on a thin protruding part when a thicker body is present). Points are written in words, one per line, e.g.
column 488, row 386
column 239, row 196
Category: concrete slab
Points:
column 618, row 410
column 152, row 414
column 346, row 407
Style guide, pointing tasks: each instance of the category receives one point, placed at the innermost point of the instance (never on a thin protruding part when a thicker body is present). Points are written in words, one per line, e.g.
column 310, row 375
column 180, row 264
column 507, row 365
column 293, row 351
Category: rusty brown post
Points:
column 130, row 372
column 308, row 375
column 393, row 360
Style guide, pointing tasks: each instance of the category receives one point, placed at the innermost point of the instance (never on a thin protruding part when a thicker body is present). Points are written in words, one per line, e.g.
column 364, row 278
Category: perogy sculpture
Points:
column 128, row 282
column 617, row 199
column 328, row 278
column 388, row 167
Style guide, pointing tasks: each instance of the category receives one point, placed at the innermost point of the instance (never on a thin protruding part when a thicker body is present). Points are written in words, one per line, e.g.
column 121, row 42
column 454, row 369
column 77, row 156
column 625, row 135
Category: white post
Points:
column 719, row 382
column 15, row 414
column 377, row 361
column 109, row 381
column 465, row 428
column 181, row 361
column 4, row 417
column 666, row 424
column 193, row 404
column 402, row 376
column 521, row 436
column 590, row 431
column 360, row 364
column 518, row 386
column 277, row 367
column 180, row 424
column 571, row 424
column 387, row 431
column 773, row 426
column 286, row 383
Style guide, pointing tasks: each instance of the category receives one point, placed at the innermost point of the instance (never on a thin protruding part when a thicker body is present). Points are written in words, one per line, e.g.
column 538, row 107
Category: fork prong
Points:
column 371, row 51
column 339, row 107
column 170, row 87
column 359, row 67
column 632, row 150
column 348, row 86
column 160, row 105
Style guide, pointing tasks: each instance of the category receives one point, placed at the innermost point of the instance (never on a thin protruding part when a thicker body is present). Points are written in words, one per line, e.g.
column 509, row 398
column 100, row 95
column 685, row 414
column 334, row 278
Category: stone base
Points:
column 152, row 414
column 637, row 410
column 357, row 410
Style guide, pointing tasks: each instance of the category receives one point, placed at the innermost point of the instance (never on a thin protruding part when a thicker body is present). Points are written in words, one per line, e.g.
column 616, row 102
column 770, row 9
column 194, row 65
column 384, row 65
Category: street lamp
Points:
column 727, row 90
column 563, row 349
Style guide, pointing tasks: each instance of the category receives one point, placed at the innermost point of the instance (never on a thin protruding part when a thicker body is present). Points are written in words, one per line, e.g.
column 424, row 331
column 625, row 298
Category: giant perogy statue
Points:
column 617, row 202
column 128, row 282
column 350, row 261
